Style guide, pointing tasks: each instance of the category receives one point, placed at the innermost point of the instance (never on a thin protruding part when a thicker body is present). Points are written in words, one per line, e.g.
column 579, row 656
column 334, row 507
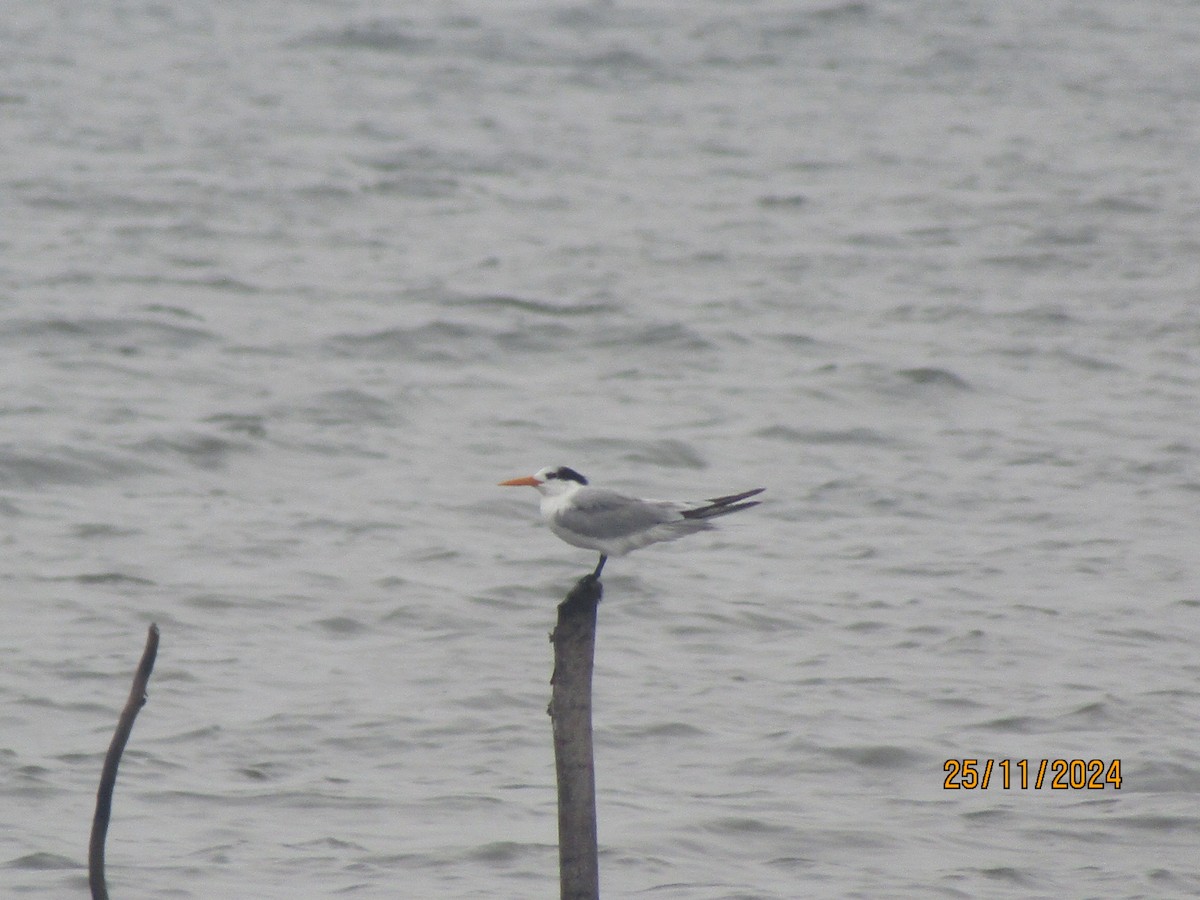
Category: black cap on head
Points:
column 566, row 474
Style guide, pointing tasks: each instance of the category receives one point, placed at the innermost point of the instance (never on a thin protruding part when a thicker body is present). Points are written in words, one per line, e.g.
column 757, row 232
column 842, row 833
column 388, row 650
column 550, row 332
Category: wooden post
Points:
column 574, row 640
column 108, row 777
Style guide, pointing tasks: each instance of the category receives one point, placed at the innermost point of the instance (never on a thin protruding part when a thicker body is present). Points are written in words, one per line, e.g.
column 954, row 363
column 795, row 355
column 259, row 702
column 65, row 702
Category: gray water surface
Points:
column 286, row 288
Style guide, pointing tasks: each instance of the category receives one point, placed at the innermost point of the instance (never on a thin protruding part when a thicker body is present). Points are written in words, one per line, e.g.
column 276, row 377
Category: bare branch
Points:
column 108, row 777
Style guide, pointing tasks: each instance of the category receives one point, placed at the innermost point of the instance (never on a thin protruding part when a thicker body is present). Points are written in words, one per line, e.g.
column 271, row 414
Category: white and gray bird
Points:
column 615, row 524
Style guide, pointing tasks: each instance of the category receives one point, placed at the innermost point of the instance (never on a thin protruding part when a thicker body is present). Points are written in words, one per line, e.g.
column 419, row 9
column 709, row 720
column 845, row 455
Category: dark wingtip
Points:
column 734, row 498
column 721, row 510
column 719, row 506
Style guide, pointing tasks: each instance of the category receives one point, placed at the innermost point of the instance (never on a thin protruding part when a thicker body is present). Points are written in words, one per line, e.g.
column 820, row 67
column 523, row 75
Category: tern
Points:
column 615, row 524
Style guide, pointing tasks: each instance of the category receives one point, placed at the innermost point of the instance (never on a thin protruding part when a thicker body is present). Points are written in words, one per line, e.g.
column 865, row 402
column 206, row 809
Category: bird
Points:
column 615, row 524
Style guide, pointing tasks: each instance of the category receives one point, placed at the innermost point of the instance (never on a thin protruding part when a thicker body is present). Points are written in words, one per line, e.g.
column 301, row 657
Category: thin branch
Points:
column 108, row 777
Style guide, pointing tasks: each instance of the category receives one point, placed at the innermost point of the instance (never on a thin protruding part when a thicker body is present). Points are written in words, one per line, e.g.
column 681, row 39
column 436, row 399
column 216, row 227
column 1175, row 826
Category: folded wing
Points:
column 607, row 515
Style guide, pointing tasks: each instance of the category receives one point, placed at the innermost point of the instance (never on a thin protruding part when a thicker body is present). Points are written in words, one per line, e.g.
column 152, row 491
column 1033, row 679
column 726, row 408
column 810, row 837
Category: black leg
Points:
column 600, row 565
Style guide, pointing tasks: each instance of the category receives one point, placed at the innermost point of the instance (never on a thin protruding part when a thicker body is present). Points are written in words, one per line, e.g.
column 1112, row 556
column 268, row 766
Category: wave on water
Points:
column 934, row 377
column 502, row 302
column 200, row 449
column 120, row 334
column 860, row 436
column 445, row 342
column 379, row 36
column 658, row 335
column 439, row 342
column 669, row 453
column 915, row 382
column 111, row 578
column 348, row 406
column 44, row 862
column 45, row 466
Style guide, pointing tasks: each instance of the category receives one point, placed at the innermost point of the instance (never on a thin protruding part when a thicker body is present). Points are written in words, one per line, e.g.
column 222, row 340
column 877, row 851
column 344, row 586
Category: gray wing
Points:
column 605, row 514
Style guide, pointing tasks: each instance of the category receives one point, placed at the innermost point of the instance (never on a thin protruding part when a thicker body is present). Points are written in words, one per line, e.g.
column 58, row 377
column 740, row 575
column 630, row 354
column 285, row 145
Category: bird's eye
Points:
column 551, row 474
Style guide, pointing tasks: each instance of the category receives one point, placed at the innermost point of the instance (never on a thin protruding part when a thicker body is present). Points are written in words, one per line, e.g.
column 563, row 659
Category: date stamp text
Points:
column 1035, row 774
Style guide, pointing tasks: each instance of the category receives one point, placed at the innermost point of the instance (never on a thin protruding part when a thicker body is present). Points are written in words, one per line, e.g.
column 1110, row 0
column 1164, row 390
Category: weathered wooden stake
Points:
column 108, row 777
column 574, row 640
